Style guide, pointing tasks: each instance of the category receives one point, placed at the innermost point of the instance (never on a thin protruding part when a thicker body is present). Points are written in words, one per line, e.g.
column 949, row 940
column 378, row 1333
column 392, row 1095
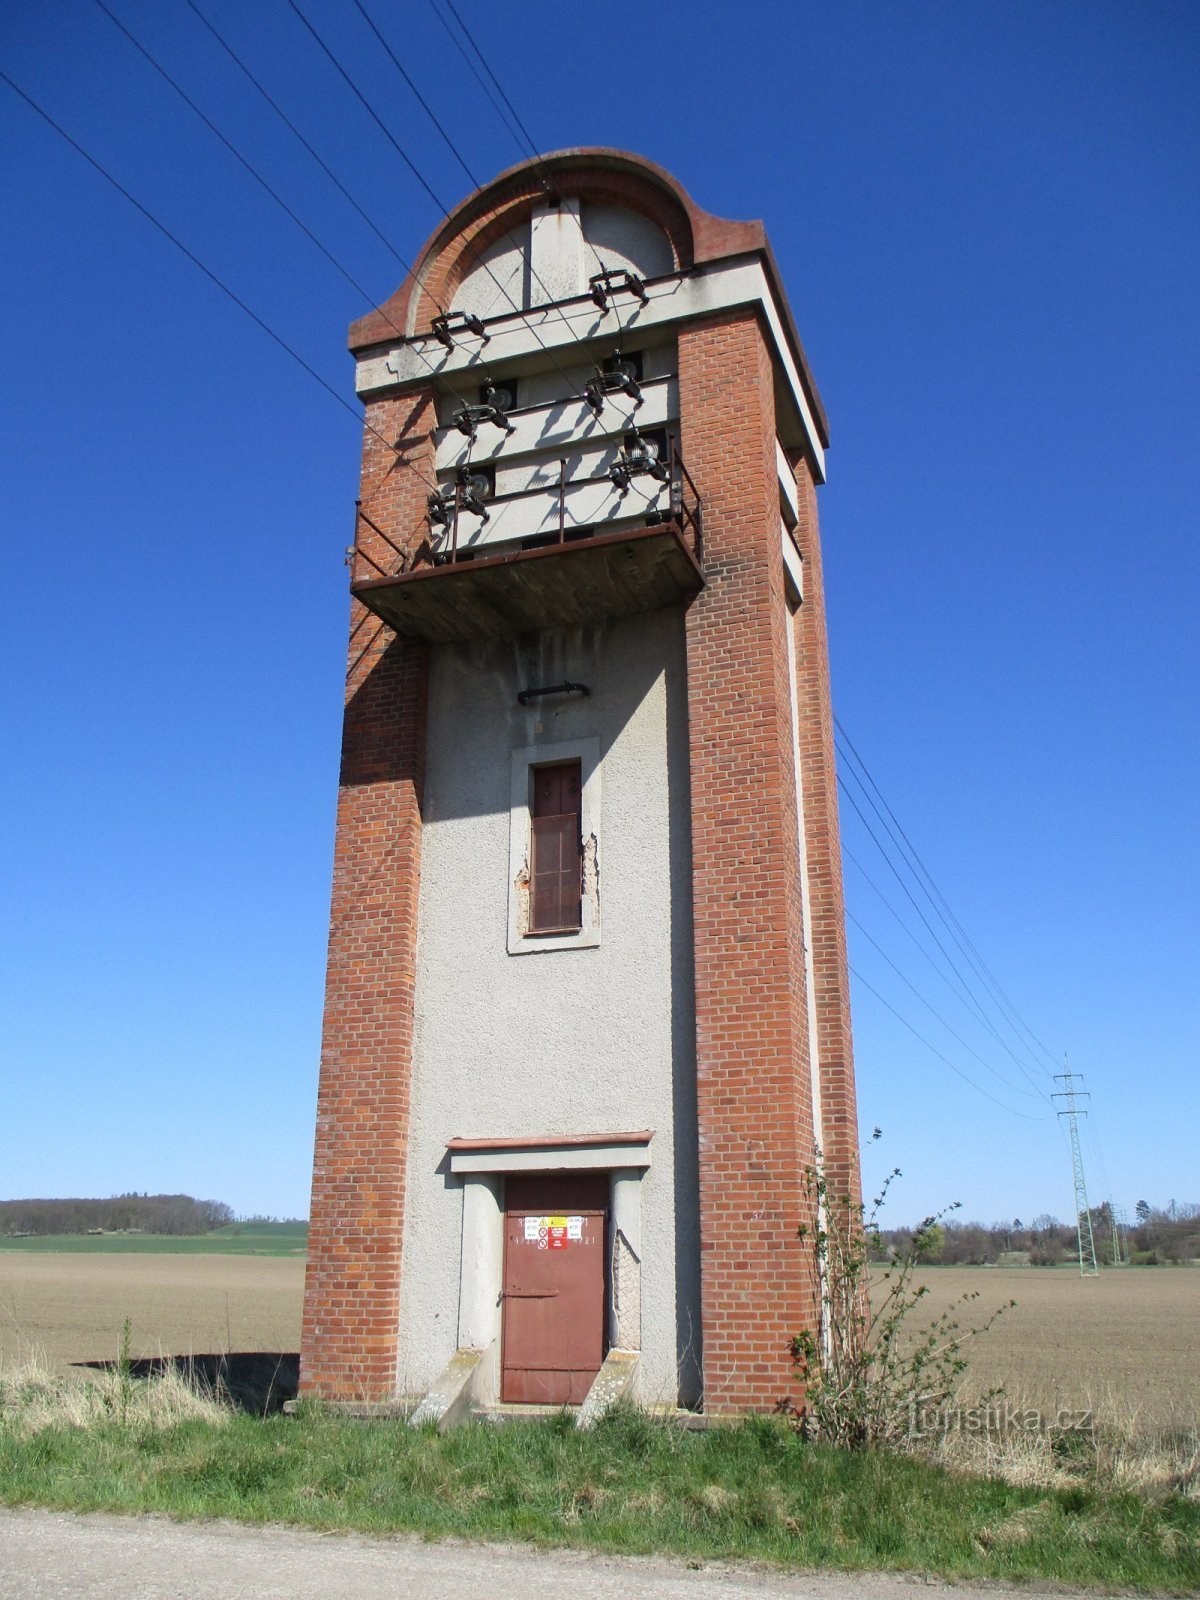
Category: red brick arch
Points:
column 462, row 253
column 602, row 176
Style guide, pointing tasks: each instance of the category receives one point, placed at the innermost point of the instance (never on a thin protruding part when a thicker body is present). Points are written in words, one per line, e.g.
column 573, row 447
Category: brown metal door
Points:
column 553, row 1323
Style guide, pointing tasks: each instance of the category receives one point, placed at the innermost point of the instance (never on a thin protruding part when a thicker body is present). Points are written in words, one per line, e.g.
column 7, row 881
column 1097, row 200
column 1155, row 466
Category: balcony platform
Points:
column 524, row 591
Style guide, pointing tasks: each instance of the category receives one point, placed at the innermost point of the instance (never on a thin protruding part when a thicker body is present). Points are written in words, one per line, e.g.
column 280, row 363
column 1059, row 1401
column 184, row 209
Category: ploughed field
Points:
column 70, row 1307
column 1125, row 1345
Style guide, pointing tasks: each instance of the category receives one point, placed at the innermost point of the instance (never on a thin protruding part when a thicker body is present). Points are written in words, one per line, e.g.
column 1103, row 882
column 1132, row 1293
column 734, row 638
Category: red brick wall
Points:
column 758, row 1282
column 352, row 1286
column 836, row 1052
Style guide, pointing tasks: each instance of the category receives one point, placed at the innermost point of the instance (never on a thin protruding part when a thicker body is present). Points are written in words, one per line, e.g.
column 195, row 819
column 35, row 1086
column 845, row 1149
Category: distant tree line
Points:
column 122, row 1213
column 1157, row 1235
column 1166, row 1233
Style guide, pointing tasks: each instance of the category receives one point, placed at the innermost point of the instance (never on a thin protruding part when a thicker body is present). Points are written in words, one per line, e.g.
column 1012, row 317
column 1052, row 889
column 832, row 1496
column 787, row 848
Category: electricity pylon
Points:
column 1088, row 1267
column 1120, row 1222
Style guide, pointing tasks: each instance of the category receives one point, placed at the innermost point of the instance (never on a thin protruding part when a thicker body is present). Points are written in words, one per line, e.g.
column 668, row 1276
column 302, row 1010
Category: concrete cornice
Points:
column 567, row 326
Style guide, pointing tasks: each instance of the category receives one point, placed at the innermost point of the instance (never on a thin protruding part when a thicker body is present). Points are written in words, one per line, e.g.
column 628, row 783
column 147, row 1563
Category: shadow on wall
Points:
column 258, row 1382
column 382, row 740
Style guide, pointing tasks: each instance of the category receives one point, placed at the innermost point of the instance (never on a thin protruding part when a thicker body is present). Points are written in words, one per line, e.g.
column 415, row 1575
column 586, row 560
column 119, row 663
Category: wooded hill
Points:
column 122, row 1213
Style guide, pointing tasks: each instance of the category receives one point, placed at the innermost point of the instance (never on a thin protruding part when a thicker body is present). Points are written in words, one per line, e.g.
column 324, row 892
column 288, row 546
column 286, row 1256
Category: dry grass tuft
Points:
column 33, row 1398
column 714, row 1498
column 1118, row 1447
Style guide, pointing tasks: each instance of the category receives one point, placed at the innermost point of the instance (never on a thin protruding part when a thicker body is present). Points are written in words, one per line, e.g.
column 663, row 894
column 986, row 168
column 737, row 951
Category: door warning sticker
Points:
column 553, row 1233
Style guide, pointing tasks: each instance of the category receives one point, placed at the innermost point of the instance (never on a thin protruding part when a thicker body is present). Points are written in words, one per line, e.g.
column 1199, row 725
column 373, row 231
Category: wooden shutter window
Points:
column 555, row 850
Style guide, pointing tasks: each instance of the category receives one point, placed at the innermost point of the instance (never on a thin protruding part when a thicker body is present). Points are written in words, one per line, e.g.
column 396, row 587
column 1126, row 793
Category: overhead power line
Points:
column 547, row 180
column 1017, row 1088
column 433, row 194
column 369, row 108
column 887, row 904
column 967, row 990
column 935, row 895
column 475, row 73
column 233, row 150
column 470, row 38
column 524, row 251
column 523, row 140
column 941, row 910
column 964, row 990
column 415, row 92
column 409, row 271
column 916, row 1032
column 288, row 123
column 207, row 271
column 257, row 176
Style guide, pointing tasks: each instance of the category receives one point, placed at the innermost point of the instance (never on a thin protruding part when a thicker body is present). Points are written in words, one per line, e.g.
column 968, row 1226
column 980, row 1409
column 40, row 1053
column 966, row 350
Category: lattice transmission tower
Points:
column 1088, row 1266
column 1120, row 1239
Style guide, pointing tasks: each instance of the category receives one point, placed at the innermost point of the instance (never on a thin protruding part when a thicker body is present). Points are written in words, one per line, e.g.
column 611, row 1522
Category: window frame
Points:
column 522, row 941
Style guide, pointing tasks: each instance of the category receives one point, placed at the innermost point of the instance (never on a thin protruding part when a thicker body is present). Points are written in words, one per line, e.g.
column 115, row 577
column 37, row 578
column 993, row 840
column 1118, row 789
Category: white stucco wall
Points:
column 551, row 255
column 565, row 1041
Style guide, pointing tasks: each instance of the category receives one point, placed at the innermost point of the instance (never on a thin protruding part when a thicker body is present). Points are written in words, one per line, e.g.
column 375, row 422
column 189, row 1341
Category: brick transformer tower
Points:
column 587, row 1017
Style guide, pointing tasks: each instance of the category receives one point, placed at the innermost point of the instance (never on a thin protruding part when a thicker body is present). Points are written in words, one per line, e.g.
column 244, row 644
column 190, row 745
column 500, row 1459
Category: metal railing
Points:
column 684, row 512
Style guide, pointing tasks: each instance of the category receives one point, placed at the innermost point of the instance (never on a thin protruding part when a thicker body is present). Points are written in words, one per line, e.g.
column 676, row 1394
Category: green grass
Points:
column 252, row 1239
column 753, row 1491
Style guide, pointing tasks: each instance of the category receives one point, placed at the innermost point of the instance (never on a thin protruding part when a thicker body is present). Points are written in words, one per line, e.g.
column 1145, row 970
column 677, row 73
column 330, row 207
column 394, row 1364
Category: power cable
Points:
column 525, row 136
column 946, row 1059
column 958, row 995
column 369, row 108
column 415, row 92
column 475, row 73
column 431, row 192
column 472, row 177
column 208, row 272
column 233, row 150
column 942, row 911
column 409, row 271
column 288, row 123
column 1017, row 1088
column 948, row 911
column 964, row 990
column 258, row 177
column 972, row 1000
column 953, row 989
column 499, row 87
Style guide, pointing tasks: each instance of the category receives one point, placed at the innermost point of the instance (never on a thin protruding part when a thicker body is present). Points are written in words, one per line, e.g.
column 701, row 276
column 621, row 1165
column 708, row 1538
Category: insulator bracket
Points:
column 617, row 378
column 638, row 459
column 605, row 285
column 449, row 323
column 467, row 418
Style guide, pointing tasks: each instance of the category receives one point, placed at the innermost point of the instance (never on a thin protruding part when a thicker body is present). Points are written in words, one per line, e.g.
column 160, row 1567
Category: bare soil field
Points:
column 1125, row 1344
column 70, row 1308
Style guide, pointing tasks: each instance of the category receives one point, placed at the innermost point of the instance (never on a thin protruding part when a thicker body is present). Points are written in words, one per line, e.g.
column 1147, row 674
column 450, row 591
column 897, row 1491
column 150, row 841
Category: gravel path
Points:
column 53, row 1555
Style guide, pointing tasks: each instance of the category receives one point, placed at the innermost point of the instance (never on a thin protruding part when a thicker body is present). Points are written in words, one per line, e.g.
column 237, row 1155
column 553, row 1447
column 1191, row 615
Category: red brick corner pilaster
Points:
column 839, row 1111
column 758, row 1282
column 352, row 1287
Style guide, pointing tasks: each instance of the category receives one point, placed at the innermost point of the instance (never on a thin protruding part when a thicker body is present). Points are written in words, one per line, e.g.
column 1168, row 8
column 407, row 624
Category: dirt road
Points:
column 49, row 1555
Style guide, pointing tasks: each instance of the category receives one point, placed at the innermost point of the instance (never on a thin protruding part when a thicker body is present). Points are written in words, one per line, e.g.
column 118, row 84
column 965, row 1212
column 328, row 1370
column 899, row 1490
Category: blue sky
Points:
column 987, row 220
